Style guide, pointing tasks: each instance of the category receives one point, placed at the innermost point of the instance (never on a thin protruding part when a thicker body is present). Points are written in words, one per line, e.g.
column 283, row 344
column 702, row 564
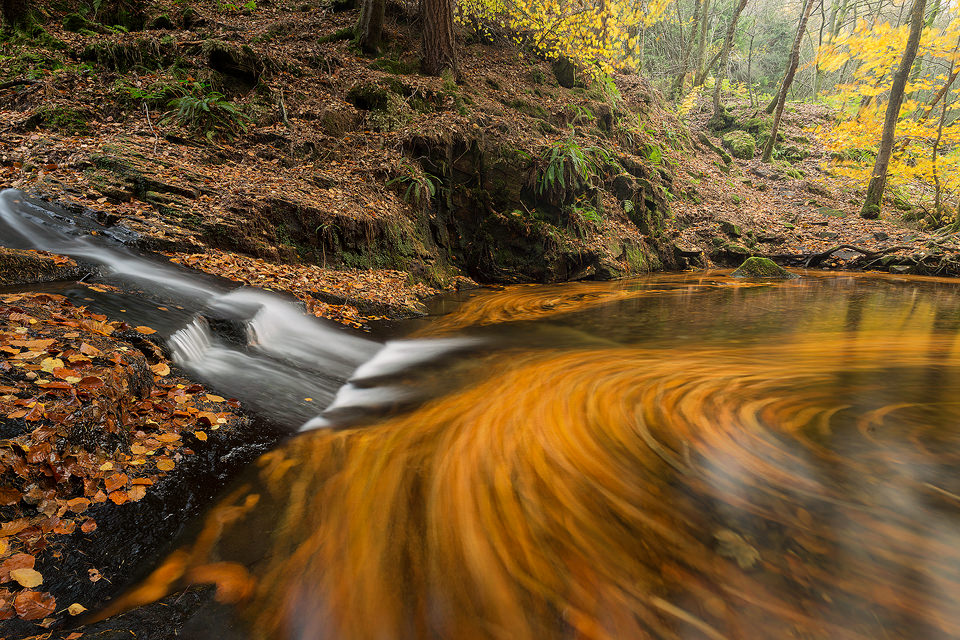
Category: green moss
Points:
column 532, row 110
column 62, row 119
column 395, row 65
column 741, row 144
column 762, row 268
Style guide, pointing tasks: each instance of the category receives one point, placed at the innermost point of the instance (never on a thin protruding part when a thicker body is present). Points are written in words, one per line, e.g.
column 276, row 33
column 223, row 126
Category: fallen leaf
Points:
column 119, row 497
column 14, row 562
column 89, row 526
column 28, row 578
column 145, row 330
column 89, row 350
column 33, row 605
column 76, row 609
column 50, row 364
column 94, row 575
column 78, row 505
column 200, row 435
column 137, row 492
column 161, row 369
column 116, row 481
column 165, row 464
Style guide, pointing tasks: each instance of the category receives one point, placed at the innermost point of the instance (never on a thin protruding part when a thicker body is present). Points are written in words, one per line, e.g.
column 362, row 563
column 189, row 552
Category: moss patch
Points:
column 741, row 144
column 762, row 268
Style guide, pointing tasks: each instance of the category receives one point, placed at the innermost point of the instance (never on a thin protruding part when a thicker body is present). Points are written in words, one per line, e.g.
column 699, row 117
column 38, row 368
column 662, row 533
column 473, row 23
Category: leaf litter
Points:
column 87, row 419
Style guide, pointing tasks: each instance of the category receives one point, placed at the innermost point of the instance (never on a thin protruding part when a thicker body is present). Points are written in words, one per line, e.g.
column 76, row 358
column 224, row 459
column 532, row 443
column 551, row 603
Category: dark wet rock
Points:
column 30, row 267
column 762, row 268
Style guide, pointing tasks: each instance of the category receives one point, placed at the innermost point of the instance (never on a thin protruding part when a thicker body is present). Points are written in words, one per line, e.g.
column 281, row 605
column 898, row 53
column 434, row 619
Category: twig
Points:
column 283, row 111
column 156, row 138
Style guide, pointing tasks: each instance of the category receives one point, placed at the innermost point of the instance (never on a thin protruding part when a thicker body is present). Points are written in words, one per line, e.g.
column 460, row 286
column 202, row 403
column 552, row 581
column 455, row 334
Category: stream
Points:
column 674, row 456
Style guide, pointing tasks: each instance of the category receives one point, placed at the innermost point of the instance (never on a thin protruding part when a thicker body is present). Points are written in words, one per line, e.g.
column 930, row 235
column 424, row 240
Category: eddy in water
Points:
column 677, row 457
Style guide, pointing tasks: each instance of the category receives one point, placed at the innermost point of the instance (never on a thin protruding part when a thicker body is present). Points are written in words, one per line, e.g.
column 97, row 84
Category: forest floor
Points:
column 316, row 193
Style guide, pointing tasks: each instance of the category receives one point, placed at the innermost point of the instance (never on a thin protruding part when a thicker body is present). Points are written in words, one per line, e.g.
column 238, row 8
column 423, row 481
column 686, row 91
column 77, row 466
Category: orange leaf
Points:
column 78, row 505
column 145, row 330
column 161, row 369
column 33, row 605
column 116, row 481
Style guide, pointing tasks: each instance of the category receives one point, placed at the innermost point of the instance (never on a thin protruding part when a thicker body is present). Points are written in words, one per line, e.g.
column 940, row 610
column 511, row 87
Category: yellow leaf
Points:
column 28, row 578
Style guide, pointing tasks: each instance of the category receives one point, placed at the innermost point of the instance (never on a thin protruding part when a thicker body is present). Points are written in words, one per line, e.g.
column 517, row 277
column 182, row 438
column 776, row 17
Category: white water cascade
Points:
column 278, row 361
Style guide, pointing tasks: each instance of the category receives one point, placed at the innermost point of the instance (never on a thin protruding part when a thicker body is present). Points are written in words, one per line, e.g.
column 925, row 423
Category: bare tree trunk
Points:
column 718, row 111
column 701, row 44
column 878, row 179
column 792, row 64
column 787, row 81
column 370, row 26
column 685, row 62
column 439, row 43
column 750, row 69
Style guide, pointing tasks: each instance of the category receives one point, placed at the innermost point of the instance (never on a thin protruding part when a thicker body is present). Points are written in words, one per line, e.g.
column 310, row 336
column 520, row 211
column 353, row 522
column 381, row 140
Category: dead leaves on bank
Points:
column 382, row 288
column 86, row 420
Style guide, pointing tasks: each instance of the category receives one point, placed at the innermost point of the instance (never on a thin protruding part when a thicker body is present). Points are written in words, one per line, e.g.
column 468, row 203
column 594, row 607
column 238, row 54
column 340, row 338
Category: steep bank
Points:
column 285, row 144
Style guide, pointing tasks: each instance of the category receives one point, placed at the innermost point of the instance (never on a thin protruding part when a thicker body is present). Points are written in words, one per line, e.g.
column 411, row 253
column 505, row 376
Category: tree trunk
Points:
column 718, row 112
column 684, row 64
column 370, row 27
column 701, row 44
column 878, row 179
column 787, row 81
column 15, row 13
column 781, row 94
column 439, row 44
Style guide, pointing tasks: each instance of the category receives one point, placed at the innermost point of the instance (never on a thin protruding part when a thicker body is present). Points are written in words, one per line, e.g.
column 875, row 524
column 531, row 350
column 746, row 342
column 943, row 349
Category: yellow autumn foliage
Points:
column 869, row 55
column 601, row 36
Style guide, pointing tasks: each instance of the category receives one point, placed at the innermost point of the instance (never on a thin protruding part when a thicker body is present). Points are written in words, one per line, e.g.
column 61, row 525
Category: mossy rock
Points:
column 757, row 125
column 239, row 62
column 741, row 144
column 730, row 229
column 763, row 269
column 793, row 153
column 567, row 74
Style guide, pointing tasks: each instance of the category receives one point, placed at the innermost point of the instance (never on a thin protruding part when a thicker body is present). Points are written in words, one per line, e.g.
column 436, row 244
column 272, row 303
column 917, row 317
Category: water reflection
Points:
column 710, row 460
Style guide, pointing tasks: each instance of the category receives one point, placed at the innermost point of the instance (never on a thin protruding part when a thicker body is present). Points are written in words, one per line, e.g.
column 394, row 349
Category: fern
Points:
column 207, row 112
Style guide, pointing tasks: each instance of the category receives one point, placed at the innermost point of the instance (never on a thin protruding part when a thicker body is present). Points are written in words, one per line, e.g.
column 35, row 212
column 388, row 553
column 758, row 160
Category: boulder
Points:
column 762, row 268
column 741, row 144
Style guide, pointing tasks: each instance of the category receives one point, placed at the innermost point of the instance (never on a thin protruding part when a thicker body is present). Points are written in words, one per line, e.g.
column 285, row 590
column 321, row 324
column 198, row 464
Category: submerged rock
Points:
column 762, row 268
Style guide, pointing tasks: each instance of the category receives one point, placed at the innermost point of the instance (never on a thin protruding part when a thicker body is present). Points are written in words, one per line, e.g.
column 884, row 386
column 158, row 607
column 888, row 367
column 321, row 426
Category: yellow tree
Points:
column 598, row 35
column 922, row 152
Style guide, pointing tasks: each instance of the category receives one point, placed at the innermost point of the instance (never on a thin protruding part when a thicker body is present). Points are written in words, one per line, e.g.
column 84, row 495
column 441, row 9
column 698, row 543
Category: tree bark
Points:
column 685, row 61
column 787, row 81
column 701, row 44
column 724, row 58
column 439, row 43
column 370, row 26
column 781, row 94
column 878, row 179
